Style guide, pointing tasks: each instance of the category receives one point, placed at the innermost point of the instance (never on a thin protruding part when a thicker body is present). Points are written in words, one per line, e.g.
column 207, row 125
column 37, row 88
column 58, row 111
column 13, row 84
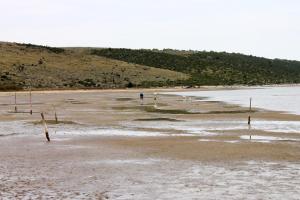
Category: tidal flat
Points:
column 108, row 144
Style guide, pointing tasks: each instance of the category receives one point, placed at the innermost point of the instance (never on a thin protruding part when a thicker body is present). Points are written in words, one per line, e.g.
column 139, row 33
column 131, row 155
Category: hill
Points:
column 22, row 65
column 42, row 67
column 212, row 68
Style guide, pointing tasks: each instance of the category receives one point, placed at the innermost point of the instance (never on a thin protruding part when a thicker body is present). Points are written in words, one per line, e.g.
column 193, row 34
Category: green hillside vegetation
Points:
column 212, row 68
column 41, row 67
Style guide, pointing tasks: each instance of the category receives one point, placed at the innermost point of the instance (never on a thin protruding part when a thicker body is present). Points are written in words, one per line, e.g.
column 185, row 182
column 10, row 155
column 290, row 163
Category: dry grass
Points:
column 74, row 68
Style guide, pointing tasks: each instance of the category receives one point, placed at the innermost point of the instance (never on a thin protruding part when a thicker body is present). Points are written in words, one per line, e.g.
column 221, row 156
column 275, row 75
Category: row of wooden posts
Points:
column 141, row 97
column 249, row 116
column 42, row 114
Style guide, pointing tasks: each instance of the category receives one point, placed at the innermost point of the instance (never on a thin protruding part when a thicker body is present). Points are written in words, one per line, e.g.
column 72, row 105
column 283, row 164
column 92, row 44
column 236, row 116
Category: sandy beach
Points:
column 110, row 145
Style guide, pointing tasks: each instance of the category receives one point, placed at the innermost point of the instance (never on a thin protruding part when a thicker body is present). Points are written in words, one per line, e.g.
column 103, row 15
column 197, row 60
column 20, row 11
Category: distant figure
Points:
column 142, row 98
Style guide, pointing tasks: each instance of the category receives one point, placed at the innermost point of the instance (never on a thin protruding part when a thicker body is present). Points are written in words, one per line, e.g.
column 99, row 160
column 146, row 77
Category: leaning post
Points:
column 45, row 127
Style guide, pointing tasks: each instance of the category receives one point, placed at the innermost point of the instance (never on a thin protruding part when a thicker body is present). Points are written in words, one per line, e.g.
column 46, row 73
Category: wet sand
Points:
column 109, row 146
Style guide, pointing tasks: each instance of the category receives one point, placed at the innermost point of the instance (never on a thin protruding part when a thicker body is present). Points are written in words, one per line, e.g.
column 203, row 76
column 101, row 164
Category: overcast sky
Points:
column 269, row 28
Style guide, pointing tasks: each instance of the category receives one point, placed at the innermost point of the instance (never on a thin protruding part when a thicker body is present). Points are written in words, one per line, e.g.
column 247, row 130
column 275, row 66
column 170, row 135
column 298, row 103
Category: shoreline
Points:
column 108, row 144
column 150, row 88
column 264, row 98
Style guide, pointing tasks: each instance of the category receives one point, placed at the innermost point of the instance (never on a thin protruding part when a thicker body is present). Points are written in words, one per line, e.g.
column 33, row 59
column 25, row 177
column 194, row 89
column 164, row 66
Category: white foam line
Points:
column 111, row 132
column 266, row 138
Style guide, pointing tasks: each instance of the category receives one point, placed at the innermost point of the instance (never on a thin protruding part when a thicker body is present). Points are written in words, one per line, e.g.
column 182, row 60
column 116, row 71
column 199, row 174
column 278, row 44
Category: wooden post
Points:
column 249, row 129
column 30, row 101
column 45, row 127
column 250, row 110
column 55, row 115
column 249, row 118
column 16, row 109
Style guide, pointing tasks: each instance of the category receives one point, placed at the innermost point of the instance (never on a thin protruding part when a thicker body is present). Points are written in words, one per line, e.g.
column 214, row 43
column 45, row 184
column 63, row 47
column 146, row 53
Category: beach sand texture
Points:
column 108, row 144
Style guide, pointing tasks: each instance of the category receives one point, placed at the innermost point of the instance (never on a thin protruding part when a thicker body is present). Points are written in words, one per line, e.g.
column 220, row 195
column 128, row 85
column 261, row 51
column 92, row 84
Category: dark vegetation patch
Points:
column 159, row 119
column 211, row 68
column 125, row 108
column 229, row 112
column 200, row 98
column 152, row 109
column 125, row 99
column 41, row 47
column 53, row 122
column 73, row 101
column 9, row 87
column 79, row 102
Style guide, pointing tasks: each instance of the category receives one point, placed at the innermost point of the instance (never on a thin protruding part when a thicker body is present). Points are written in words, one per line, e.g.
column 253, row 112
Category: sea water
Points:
column 279, row 98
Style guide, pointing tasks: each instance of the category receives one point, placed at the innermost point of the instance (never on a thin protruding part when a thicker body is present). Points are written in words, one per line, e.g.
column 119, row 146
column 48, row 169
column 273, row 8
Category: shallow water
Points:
column 207, row 127
column 282, row 98
column 109, row 132
column 267, row 139
column 149, row 128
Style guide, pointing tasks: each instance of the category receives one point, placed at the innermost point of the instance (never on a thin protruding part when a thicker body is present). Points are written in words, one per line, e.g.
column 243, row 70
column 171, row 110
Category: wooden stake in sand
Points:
column 30, row 101
column 250, row 110
column 55, row 115
column 249, row 117
column 45, row 126
column 16, row 109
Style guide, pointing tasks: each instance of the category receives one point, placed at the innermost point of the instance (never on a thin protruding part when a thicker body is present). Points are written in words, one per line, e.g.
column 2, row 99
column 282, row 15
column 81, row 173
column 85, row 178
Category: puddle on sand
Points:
column 206, row 127
column 185, row 128
column 110, row 132
column 267, row 139
column 254, row 138
column 226, row 141
column 13, row 128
